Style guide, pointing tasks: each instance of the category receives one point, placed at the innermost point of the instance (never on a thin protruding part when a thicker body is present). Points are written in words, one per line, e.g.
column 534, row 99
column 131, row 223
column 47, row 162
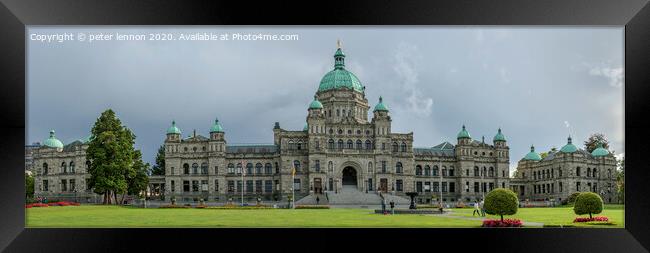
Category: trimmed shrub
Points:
column 588, row 203
column 572, row 198
column 501, row 201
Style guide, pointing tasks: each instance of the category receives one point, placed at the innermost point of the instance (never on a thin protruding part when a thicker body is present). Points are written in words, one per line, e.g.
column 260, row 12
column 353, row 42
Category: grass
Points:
column 97, row 216
column 556, row 216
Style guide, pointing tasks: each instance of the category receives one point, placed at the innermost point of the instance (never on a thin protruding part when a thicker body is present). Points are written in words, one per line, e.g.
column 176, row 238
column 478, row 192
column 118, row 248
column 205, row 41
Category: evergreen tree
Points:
column 159, row 167
column 137, row 178
column 29, row 186
column 592, row 142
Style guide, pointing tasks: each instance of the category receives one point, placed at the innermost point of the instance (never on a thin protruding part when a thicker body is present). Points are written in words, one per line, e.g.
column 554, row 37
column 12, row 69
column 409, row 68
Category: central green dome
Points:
column 532, row 155
column 52, row 142
column 569, row 147
column 339, row 77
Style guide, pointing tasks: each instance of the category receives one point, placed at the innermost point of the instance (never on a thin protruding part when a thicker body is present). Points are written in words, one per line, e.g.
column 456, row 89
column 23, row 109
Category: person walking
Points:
column 477, row 209
column 383, row 206
column 317, row 200
column 392, row 207
column 483, row 208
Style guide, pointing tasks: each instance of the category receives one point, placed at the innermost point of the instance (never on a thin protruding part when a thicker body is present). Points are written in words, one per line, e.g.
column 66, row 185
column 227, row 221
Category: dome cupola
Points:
column 569, row 147
column 532, row 155
column 600, row 151
column 216, row 127
column 339, row 77
column 53, row 142
column 173, row 129
column 499, row 136
column 463, row 134
column 315, row 104
column 381, row 106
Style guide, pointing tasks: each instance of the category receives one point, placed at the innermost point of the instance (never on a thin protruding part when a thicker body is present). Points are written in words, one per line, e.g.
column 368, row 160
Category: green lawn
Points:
column 117, row 217
column 557, row 216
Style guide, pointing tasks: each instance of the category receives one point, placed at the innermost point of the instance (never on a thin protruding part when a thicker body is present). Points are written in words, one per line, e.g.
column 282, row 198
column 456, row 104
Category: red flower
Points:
column 504, row 223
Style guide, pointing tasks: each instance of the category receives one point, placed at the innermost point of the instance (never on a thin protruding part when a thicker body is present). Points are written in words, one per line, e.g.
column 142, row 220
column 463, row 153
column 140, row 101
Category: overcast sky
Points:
column 538, row 84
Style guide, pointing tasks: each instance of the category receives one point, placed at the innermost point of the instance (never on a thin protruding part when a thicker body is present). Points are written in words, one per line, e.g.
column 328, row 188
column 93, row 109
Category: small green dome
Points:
column 499, row 136
column 463, row 134
column 306, row 128
column 569, row 147
column 315, row 104
column 532, row 155
column 339, row 77
column 52, row 142
column 173, row 129
column 381, row 106
column 216, row 127
column 600, row 151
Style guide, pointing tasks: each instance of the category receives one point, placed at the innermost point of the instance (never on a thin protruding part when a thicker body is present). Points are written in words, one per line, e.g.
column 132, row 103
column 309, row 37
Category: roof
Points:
column 463, row 133
column 315, row 104
column 252, row 149
column 499, row 136
column 339, row 77
column 442, row 149
column 173, row 129
column 72, row 146
column 381, row 106
column 216, row 127
column 196, row 138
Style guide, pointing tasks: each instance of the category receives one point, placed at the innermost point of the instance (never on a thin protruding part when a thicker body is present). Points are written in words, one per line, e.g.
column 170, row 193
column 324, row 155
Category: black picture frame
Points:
column 15, row 15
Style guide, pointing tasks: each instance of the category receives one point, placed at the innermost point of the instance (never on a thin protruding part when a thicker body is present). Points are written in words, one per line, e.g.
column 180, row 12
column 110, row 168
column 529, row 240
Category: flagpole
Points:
column 242, row 183
column 440, row 188
column 293, row 184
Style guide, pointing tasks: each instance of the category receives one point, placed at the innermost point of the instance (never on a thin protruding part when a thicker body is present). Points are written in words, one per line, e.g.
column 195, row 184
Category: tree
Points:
column 620, row 180
column 110, row 153
column 29, row 186
column 588, row 203
column 159, row 167
column 136, row 177
column 592, row 142
column 572, row 198
column 501, row 201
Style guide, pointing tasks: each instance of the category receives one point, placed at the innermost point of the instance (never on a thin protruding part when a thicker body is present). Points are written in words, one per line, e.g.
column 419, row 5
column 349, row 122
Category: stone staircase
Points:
column 311, row 200
column 350, row 195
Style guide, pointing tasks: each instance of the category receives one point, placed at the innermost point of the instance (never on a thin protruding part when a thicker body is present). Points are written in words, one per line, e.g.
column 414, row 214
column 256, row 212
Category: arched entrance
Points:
column 349, row 176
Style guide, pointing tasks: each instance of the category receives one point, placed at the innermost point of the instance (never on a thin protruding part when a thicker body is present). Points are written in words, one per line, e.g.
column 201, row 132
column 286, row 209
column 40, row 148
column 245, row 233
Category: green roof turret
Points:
column 381, row 106
column 173, row 129
column 216, row 127
column 53, row 142
column 315, row 104
column 532, row 155
column 463, row 134
column 569, row 147
column 600, row 151
column 499, row 136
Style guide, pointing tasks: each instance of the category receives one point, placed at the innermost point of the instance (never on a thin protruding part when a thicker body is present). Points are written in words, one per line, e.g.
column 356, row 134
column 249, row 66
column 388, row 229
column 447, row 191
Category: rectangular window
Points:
column 72, row 185
column 204, row 185
column 577, row 186
column 383, row 166
column 484, row 187
column 296, row 184
column 268, row 186
column 173, row 186
column 231, row 186
column 427, row 186
column 216, row 185
column 216, row 170
column 239, row 186
column 317, row 165
column 195, row 185
column 452, row 187
column 491, row 186
column 249, row 186
column 400, row 185
column 186, row 186
column 258, row 186
column 46, row 186
column 418, row 186
column 466, row 186
column 64, row 185
column 476, row 186
column 560, row 186
column 444, row 186
column 436, row 187
column 370, row 186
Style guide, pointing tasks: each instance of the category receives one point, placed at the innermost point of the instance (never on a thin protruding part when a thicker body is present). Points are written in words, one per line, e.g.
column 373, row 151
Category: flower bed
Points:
column 59, row 203
column 597, row 218
column 240, row 207
column 36, row 205
column 174, row 206
column 312, row 207
column 502, row 224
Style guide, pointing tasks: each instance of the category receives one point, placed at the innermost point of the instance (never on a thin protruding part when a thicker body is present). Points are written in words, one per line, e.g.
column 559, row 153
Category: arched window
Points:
column 369, row 167
column 258, row 168
column 368, row 145
column 427, row 170
column 330, row 144
column 87, row 165
column 359, row 144
column 231, row 168
column 588, row 172
column 476, row 171
column 277, row 168
column 204, row 168
column 435, row 170
column 331, row 130
column 394, row 146
column 491, row 172
column 64, row 167
column 239, row 168
column 186, row 169
column 484, row 171
column 195, row 168
column 340, row 144
column 594, row 173
column 418, row 170
column 249, row 168
column 451, row 171
column 340, row 131
column 296, row 164
column 71, row 166
column 292, row 145
column 330, row 167
column 403, row 147
column 45, row 169
column 268, row 169
column 577, row 171
column 350, row 144
column 444, row 171
column 299, row 145
column 609, row 172
column 398, row 168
